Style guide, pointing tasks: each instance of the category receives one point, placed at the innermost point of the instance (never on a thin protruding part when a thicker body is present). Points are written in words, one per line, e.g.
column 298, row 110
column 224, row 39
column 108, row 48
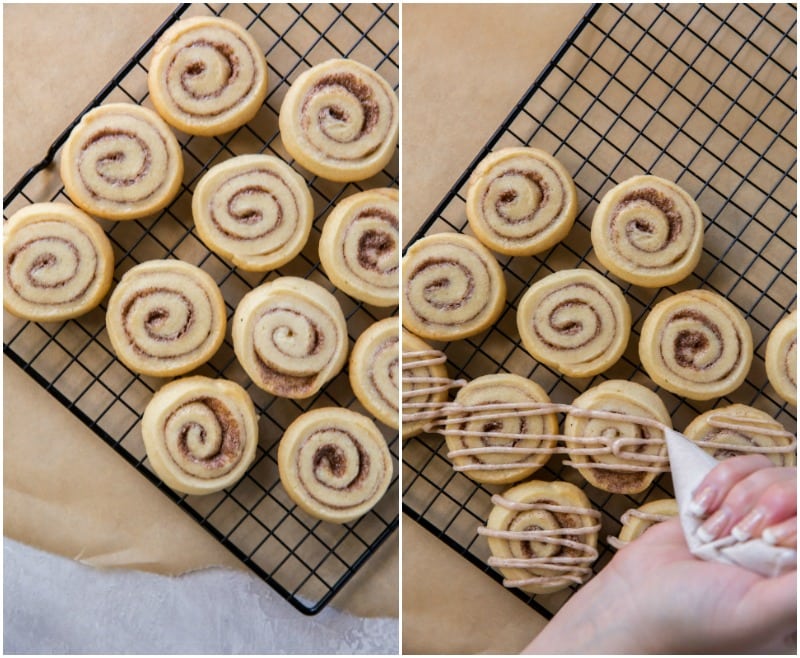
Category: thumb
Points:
column 768, row 610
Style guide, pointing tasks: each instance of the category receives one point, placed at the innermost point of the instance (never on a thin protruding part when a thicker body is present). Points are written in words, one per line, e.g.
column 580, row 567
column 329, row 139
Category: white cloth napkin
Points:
column 689, row 464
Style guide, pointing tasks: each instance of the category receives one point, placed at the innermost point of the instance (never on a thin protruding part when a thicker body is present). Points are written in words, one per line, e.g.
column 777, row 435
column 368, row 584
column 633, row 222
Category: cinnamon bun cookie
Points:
column 781, row 358
column 290, row 336
column 521, row 201
column 696, row 344
column 165, row 318
column 575, row 321
column 493, row 435
column 614, row 436
column 334, row 464
column 452, row 287
column 58, row 263
column 741, row 430
column 253, row 210
column 648, row 231
column 207, row 76
column 425, row 383
column 339, row 120
column 542, row 536
column 360, row 246
column 200, row 434
column 638, row 519
column 121, row 161
column 374, row 370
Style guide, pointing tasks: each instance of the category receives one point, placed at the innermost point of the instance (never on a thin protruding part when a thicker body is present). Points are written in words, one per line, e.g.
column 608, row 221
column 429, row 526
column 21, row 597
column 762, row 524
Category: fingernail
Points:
column 777, row 534
column 711, row 529
column 744, row 529
column 701, row 501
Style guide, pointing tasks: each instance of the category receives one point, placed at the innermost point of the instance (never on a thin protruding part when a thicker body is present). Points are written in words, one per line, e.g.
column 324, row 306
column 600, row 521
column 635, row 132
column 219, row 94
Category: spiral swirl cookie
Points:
column 781, row 358
column 648, row 231
column 425, row 384
column 542, row 536
column 165, row 318
column 121, row 162
column 335, row 464
column 200, row 434
column 375, row 370
column 360, row 246
column 290, row 336
column 207, row 76
column 521, row 201
column 740, row 430
column 339, row 120
column 493, row 435
column 452, row 287
column 58, row 263
column 696, row 344
column 614, row 436
column 253, row 210
column 575, row 321
column 638, row 519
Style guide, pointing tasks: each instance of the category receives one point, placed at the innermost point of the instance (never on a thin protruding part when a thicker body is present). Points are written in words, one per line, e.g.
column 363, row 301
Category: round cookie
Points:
column 452, row 287
column 58, row 263
column 521, row 201
column 491, row 440
column 638, row 519
column 339, row 120
column 360, row 246
column 696, row 344
column 742, row 430
column 648, row 231
column 290, row 336
column 253, row 210
column 781, row 358
column 334, row 464
column 207, row 76
column 375, row 370
column 609, row 439
column 165, row 318
column 542, row 536
column 575, row 321
column 425, row 383
column 121, row 161
column 200, row 434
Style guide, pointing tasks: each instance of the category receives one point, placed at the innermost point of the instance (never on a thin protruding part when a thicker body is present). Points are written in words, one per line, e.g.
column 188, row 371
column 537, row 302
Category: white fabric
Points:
column 689, row 464
column 55, row 605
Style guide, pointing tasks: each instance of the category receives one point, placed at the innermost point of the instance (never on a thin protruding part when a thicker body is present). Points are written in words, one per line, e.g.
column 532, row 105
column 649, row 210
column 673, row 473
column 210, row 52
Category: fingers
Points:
column 715, row 486
column 782, row 534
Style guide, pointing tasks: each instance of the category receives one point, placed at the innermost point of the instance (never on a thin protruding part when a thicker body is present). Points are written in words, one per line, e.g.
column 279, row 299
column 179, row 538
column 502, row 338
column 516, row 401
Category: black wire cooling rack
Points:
column 703, row 95
column 305, row 560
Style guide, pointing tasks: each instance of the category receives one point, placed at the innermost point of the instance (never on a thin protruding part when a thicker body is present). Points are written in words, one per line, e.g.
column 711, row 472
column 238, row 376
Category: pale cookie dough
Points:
column 781, row 358
column 374, row 370
column 425, row 383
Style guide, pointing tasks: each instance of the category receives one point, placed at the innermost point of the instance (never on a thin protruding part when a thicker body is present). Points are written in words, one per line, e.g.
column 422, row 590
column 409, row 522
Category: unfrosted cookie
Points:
column 648, row 231
column 339, row 120
column 58, row 263
column 521, row 201
column 290, row 336
column 165, row 318
column 335, row 464
column 425, row 383
column 542, row 536
column 360, row 246
column 375, row 370
column 614, row 436
column 121, row 161
column 741, row 430
column 696, row 344
column 491, row 435
column 207, row 76
column 452, row 287
column 200, row 434
column 781, row 358
column 253, row 210
column 575, row 321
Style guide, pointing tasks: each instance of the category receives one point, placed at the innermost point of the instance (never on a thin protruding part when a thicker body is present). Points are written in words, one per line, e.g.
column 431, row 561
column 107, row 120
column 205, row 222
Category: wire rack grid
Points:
column 703, row 95
column 305, row 560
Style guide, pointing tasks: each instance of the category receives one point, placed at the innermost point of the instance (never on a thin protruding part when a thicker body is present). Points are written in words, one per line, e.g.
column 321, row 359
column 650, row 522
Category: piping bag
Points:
column 689, row 464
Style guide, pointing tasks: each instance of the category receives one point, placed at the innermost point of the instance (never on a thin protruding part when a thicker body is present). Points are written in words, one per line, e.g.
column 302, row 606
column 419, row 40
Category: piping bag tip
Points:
column 689, row 465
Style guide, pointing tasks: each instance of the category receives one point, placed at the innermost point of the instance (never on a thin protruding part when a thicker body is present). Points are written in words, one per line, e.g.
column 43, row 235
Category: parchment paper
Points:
column 65, row 490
